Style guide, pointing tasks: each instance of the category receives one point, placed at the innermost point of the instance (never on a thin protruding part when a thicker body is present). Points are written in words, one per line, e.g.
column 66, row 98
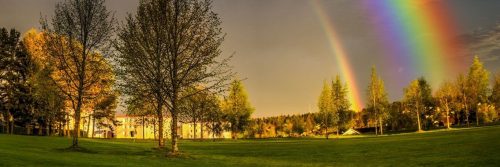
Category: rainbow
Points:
column 341, row 55
column 418, row 34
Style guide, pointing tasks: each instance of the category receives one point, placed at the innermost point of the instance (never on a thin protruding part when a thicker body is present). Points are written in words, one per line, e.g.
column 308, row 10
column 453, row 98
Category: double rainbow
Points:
column 418, row 35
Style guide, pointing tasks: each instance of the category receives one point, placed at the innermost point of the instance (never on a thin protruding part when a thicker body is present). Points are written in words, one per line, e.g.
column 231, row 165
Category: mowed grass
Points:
column 463, row 147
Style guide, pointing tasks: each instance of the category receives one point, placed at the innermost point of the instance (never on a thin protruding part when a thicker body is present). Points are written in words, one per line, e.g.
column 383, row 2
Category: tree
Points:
column 399, row 117
column 168, row 47
column 80, row 32
column 49, row 101
column 104, row 110
column 195, row 108
column 325, row 106
column 143, row 108
column 417, row 95
column 495, row 94
column 445, row 95
column 214, row 117
column 237, row 109
column 340, row 103
column 16, row 75
column 477, row 86
column 462, row 90
column 377, row 99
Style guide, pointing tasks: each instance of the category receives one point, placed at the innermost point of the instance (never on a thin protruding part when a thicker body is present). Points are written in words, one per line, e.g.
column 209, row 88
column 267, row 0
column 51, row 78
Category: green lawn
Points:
column 464, row 147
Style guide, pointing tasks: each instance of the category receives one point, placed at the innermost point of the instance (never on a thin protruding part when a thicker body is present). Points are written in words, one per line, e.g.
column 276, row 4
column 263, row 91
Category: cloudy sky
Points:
column 282, row 51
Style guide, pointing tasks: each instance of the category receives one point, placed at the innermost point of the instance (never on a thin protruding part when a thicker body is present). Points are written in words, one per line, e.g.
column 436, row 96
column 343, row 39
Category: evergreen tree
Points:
column 16, row 74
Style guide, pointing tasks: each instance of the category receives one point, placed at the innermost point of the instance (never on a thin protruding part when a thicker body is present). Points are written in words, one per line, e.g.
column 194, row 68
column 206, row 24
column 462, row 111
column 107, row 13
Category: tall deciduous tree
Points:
column 170, row 46
column 79, row 36
column 377, row 99
column 48, row 98
column 477, row 86
column 237, row 108
column 417, row 95
column 446, row 94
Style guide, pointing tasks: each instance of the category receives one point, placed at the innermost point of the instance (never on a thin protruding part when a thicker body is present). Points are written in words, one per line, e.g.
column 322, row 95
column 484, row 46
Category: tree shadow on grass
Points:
column 76, row 149
column 153, row 152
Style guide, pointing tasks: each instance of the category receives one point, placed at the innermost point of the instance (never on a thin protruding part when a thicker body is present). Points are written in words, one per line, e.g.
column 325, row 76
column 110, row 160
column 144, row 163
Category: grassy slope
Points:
column 478, row 147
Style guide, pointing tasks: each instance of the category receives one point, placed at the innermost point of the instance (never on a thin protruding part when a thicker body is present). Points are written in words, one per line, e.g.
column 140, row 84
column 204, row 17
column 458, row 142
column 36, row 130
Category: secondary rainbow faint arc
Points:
column 340, row 55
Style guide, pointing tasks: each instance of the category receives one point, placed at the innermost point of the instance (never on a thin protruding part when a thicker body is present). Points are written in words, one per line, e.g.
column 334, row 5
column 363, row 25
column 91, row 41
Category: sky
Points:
column 284, row 52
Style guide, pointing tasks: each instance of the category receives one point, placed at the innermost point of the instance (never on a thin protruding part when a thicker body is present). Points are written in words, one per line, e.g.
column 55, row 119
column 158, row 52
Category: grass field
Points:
column 464, row 147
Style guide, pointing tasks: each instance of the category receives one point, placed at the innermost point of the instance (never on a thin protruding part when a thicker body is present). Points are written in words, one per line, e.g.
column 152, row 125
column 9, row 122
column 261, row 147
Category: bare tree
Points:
column 168, row 47
column 76, row 40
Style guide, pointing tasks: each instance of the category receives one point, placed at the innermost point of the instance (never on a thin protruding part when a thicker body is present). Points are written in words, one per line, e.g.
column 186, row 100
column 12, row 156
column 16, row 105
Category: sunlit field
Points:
column 458, row 147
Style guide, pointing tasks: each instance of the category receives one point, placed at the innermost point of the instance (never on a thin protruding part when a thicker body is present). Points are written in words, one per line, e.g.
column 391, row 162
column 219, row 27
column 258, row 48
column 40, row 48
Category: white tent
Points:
column 351, row 131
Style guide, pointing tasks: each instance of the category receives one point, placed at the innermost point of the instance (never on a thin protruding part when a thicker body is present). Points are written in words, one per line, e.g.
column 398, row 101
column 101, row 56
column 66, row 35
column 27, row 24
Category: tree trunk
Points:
column 338, row 129
column 40, row 129
column 194, row 129
column 93, row 123
column 159, row 112
column 11, row 127
column 66, row 128
column 27, row 129
column 175, row 148
column 4, row 127
column 154, row 129
column 447, row 116
column 477, row 116
column 326, row 133
column 59, row 128
column 376, row 128
column 49, row 129
column 76, row 127
column 143, row 137
column 201, row 130
column 213, row 132
column 418, row 122
column 88, row 126
column 466, row 110
column 381, row 126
